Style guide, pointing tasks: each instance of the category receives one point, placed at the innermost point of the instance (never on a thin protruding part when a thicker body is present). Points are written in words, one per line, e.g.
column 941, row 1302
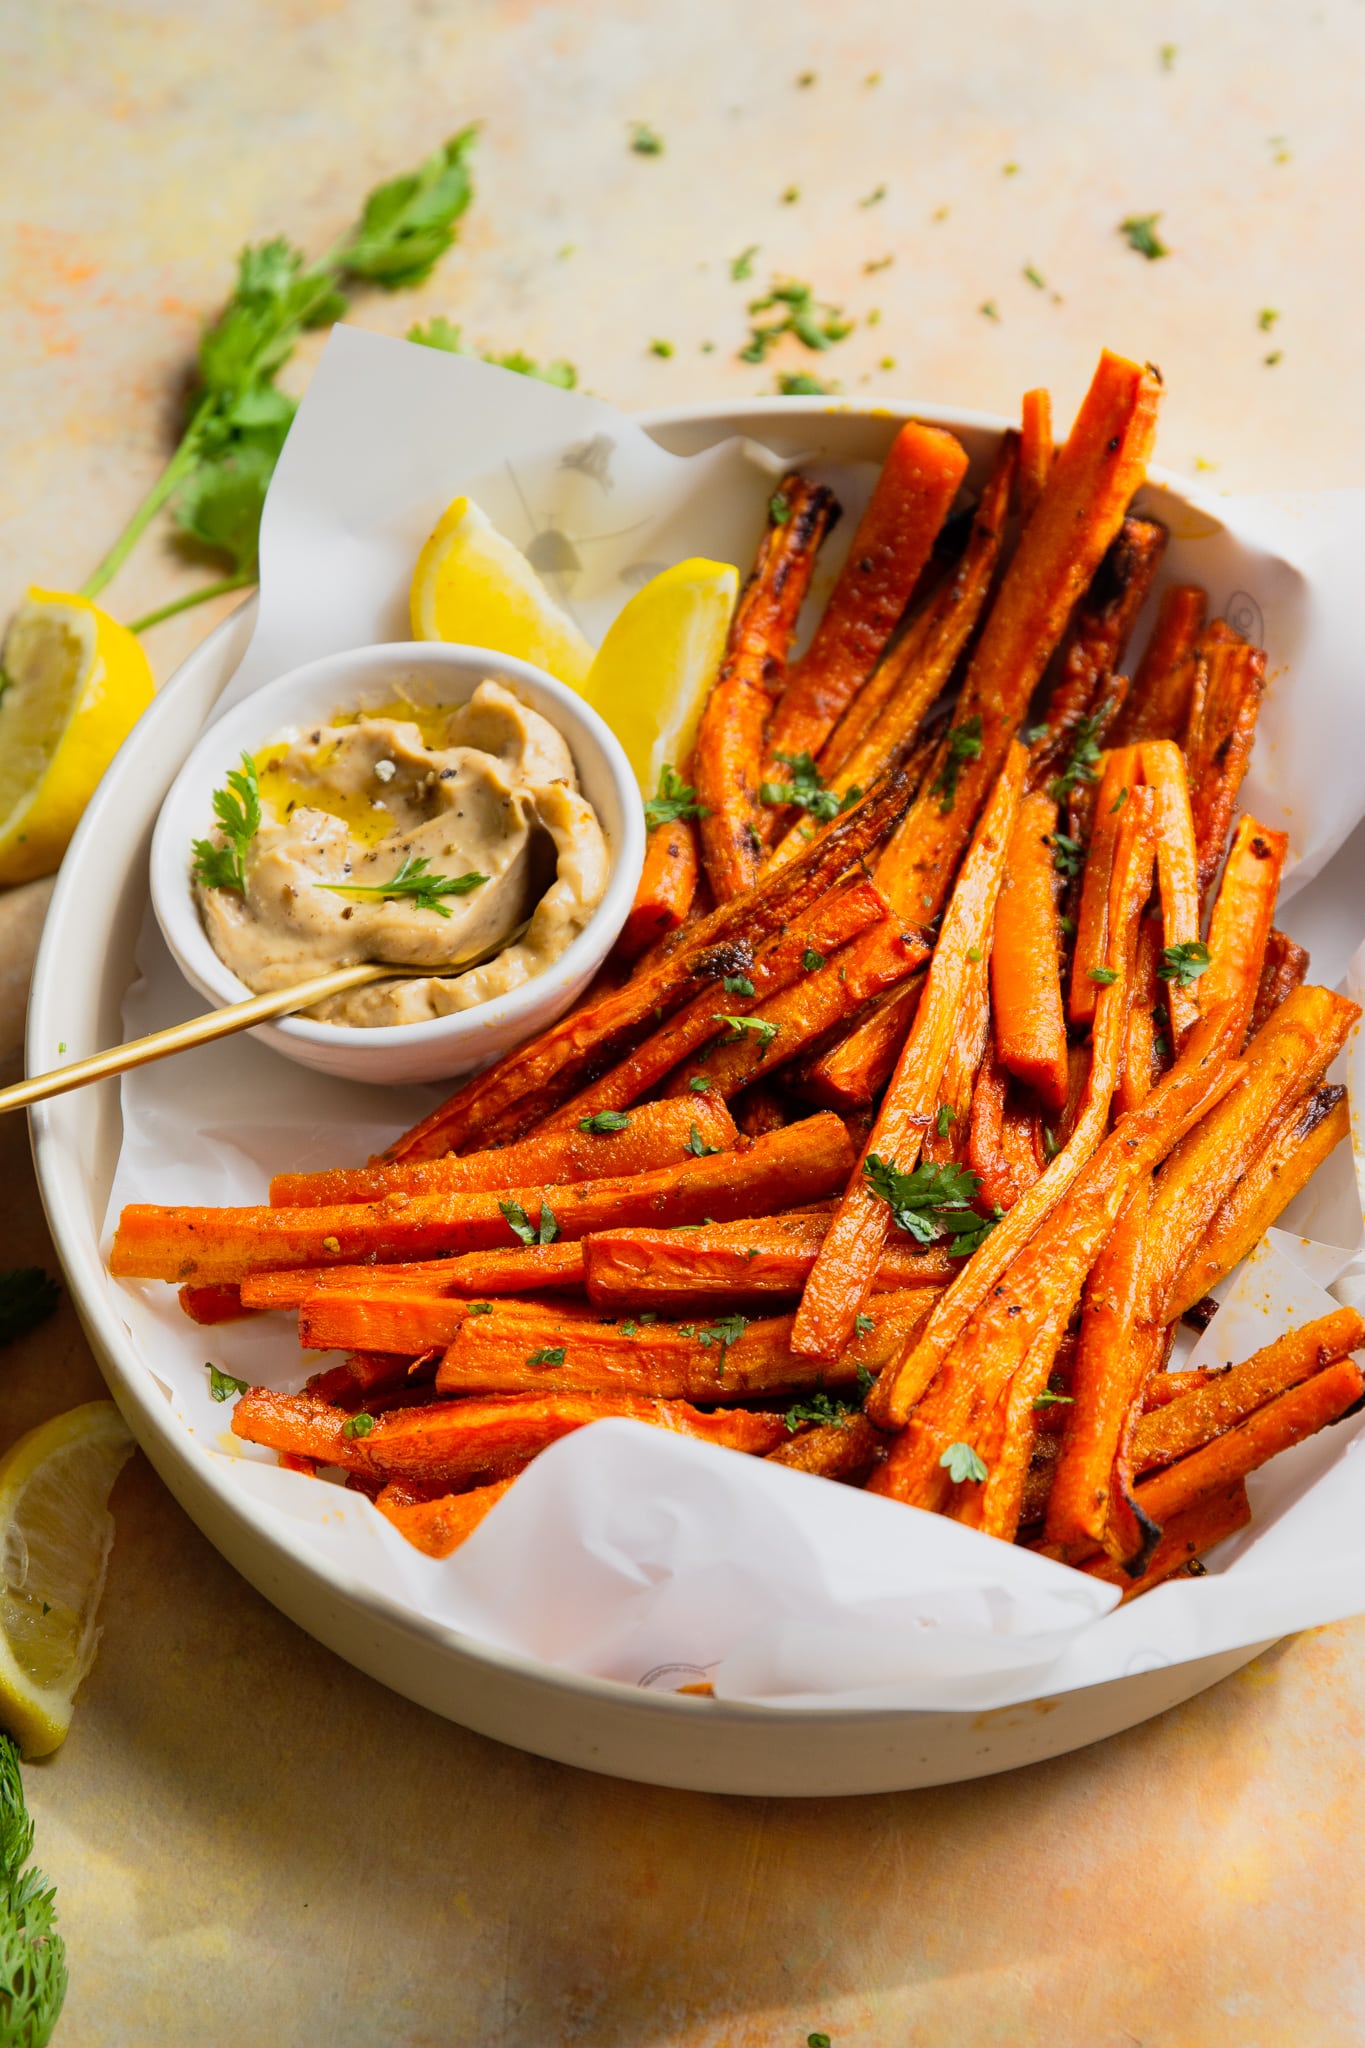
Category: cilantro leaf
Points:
column 238, row 811
column 699, row 1084
column 27, row 1298
column 604, row 1120
column 932, row 1204
column 946, row 1117
column 33, row 1978
column 816, row 324
column 737, row 985
column 962, row 1463
column 413, row 879
column 1082, row 755
column 407, row 225
column 1184, row 963
column 811, row 961
column 521, row 1225
column 644, row 140
column 1104, row 975
column 673, row 799
column 779, row 508
column 801, row 384
column 964, row 744
column 222, row 1386
column 806, row 789
column 1139, row 231
column 761, row 1028
column 440, row 333
column 821, row 1409
column 552, row 1354
column 742, row 266
column 863, row 1326
column 1068, row 855
column 698, row 1146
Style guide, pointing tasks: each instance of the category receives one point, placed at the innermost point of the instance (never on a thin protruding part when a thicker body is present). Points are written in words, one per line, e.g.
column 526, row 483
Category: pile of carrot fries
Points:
column 949, row 1058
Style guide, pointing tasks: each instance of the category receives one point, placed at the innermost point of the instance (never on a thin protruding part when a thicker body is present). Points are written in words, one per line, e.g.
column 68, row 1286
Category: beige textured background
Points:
column 253, row 1844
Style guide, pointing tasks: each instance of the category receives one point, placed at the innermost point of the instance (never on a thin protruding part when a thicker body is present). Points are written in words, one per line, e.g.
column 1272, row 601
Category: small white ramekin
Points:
column 427, row 672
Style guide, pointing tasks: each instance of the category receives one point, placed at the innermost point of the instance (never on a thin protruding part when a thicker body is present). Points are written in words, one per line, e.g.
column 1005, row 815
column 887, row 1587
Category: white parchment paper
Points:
column 624, row 1551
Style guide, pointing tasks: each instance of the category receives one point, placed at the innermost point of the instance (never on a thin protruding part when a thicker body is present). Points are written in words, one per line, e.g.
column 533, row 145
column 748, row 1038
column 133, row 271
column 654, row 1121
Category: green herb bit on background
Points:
column 1185, row 963
column 644, row 140
column 801, row 384
column 604, row 1120
column 964, row 744
column 238, row 811
column 1068, row 855
column 438, row 332
column 413, row 879
column 27, row 1297
column 698, row 1146
column 222, row 1386
column 814, row 322
column 742, row 266
column 661, row 348
column 699, row 1084
column 1048, row 1399
column 963, row 1464
column 1104, row 975
column 674, row 799
column 1139, row 231
column 932, row 1203
column 522, row 1227
column 33, row 1977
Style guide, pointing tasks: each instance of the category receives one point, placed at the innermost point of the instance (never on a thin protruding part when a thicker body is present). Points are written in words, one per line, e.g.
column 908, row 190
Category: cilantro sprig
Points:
column 222, row 1385
column 1183, row 964
column 1082, row 755
column 807, row 790
column 32, row 1953
column 413, row 879
column 764, row 1029
column 830, row 1410
column 673, row 799
column 238, row 811
column 933, row 1204
column 604, row 1120
column 964, row 744
column 963, row 1464
column 698, row 1146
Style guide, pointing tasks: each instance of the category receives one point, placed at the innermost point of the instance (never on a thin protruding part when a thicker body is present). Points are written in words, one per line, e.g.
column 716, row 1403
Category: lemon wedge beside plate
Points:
column 74, row 683
column 55, row 1536
column 472, row 586
column 650, row 677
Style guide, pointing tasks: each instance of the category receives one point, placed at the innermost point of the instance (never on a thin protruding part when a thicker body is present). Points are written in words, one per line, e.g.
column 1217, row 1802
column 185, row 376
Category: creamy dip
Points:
column 484, row 788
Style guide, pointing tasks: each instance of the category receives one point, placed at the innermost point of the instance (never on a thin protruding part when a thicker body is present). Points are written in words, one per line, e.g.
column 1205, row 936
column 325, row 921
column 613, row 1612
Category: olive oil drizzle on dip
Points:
column 472, row 812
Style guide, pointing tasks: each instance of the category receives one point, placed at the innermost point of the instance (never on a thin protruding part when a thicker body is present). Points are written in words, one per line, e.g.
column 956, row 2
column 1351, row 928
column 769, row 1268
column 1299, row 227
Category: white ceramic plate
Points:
column 84, row 968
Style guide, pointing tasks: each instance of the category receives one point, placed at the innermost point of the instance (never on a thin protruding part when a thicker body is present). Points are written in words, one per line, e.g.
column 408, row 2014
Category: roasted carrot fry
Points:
column 438, row 1526
column 1284, row 967
column 405, row 1320
column 1183, row 1542
column 367, row 1374
column 1098, row 633
column 1004, row 1175
column 842, row 1274
column 1080, row 511
column 1163, row 1386
column 762, row 1108
column 665, row 891
column 847, row 1449
column 801, row 1163
column 895, row 537
column 948, row 1135
column 1035, row 449
column 1319, row 1122
column 517, row 1269
column 1239, row 927
column 735, row 717
column 854, row 1070
column 1177, row 868
column 1116, row 793
column 214, row 1304
column 1206, row 1412
column 1225, row 705
column 733, row 1262
column 524, row 1086
column 730, row 1359
column 1140, row 1064
column 1157, row 706
column 1026, row 990
column 1300, row 1413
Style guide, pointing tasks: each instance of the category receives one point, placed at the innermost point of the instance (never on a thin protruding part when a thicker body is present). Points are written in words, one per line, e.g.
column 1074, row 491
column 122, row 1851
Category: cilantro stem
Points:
column 179, row 467
column 201, row 596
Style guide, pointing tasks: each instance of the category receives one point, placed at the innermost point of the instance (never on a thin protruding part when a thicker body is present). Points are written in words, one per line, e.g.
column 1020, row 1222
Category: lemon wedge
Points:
column 75, row 682
column 472, row 585
column 55, row 1536
column 650, row 676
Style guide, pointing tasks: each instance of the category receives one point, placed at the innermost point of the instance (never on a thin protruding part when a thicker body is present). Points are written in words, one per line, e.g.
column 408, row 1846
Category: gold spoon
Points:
column 159, row 1045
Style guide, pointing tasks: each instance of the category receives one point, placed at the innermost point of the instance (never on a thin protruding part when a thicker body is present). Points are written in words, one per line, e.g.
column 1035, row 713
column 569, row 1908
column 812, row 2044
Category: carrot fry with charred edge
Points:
column 833, row 1450
column 1177, row 871
column 657, row 1134
column 1289, row 1054
column 989, row 1154
column 529, row 1269
column 910, row 501
column 897, row 1392
column 1226, row 703
column 1183, row 1541
column 457, row 1444
column 762, row 1108
column 853, row 1072
column 1300, row 1413
column 666, row 889
column 369, row 1373
column 732, row 1262
column 1104, row 1384
column 1239, row 927
column 841, row 1277
column 1098, row 633
column 728, row 1360
column 1079, row 513
column 1207, row 1412
column 800, row 1016
column 1157, row 706
column 730, row 737
column 1026, row 988
column 801, row 1163
column 438, row 1526
column 210, row 1305
column 785, row 961
column 947, row 1137
column 1035, row 449
column 1117, row 793
column 1284, row 967
column 1139, row 1067
column 1320, row 1122
column 525, row 1085
column 886, row 683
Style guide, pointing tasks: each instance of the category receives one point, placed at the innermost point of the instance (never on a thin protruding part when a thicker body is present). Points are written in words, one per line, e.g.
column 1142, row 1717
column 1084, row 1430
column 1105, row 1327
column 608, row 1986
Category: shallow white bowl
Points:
column 427, row 672
column 83, row 972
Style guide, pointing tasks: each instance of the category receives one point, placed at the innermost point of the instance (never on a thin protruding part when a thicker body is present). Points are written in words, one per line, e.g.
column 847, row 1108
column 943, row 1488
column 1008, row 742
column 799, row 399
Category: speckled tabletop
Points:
column 253, row 1843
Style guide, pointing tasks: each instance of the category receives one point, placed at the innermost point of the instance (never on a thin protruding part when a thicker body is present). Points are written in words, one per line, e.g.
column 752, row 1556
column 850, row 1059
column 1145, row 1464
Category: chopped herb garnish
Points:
column 761, row 1028
column 1104, row 975
column 974, row 954
column 933, row 1204
column 806, row 789
column 811, row 961
column 1082, row 755
column 660, row 348
column 1139, row 231
column 801, row 384
column 742, row 266
column 1067, row 927
column 1119, row 801
column 1068, row 855
column 699, row 1084
column 33, row 1976
column 413, row 879
column 358, row 1425
column 1185, row 963
column 1052, row 1144
column 874, row 197
column 863, row 1326
column 725, row 1331
column 964, row 744
column 815, row 323
column 1167, row 55
column 698, row 1146
column 521, row 1225
column 1051, row 1400
column 644, row 140
column 963, row 1464
column 629, row 1329
column 947, row 1116
column 553, row 1354
column 1266, row 318
column 821, row 1409
column 604, row 1120
column 222, row 1386
column 441, row 333
column 779, row 508
column 988, row 310
column 791, row 195
column 1276, row 356
column 1035, row 277
column 805, row 78
column 238, row 811
column 27, row 1297
column 479, row 1308
column 672, row 800
column 737, row 985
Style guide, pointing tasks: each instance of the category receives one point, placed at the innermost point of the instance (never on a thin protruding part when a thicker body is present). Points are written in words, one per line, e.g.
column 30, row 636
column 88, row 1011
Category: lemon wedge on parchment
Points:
column 472, row 585
column 650, row 676
column 74, row 683
column 55, row 1536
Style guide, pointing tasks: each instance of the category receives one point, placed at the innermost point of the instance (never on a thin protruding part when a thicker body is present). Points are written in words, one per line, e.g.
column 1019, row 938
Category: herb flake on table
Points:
column 413, row 879
column 28, row 1297
column 801, row 384
column 238, row 811
column 815, row 323
column 644, row 140
column 1139, row 231
column 440, row 333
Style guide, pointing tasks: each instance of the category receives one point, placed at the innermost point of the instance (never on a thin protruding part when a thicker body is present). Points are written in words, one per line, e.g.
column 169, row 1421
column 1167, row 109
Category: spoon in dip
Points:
column 159, row 1045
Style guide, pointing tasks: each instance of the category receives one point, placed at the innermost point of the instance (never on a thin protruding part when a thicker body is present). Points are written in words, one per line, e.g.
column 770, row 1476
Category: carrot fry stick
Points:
column 525, row 1085
column 366, row 1374
column 853, row 1071
column 656, row 1134
column 438, row 1526
column 990, row 1156
column 518, row 1269
column 403, row 1321
column 1177, row 868
column 762, row 1108
column 214, row 1304
column 1026, row 990
column 1226, row 703
column 842, row 1274
column 1080, row 511
column 1207, row 1412
column 783, row 962
column 1157, row 706
column 665, row 890
column 847, row 1449
column 733, row 1262
column 1288, row 1055
column 1098, row 634
column 1284, row 967
column 458, row 1444
column 947, row 1137
column 1035, row 449
column 1117, row 791
column 1300, row 1413
column 1239, row 927
column 1163, row 1386
column 791, row 1022
column 1104, row 1383
column 895, row 537
column 730, row 736
column 1183, row 1541
column 801, row 1163
column 1140, row 1063
column 1319, row 1122
column 897, row 1392
column 728, row 1360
